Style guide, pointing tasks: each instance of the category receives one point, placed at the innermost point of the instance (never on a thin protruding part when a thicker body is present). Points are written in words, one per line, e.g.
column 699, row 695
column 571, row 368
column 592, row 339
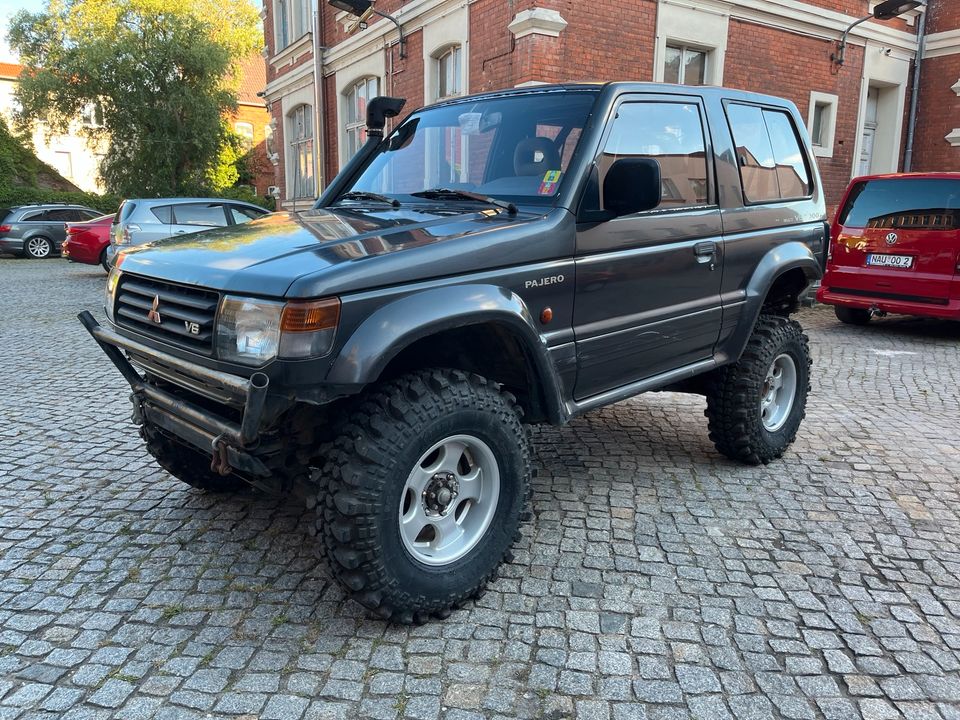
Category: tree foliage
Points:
column 159, row 69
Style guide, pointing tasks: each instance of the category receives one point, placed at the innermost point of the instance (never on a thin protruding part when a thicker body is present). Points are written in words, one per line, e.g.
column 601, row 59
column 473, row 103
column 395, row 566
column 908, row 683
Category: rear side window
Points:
column 672, row 134
column 125, row 210
column 771, row 160
column 163, row 214
column 922, row 203
column 38, row 216
column 242, row 214
column 65, row 215
column 203, row 214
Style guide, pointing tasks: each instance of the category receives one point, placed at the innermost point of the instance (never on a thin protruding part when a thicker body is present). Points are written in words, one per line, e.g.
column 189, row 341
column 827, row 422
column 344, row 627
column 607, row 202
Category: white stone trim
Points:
column 290, row 81
column 292, row 52
column 703, row 25
column 954, row 137
column 891, row 74
column 942, row 43
column 373, row 65
column 833, row 101
column 537, row 21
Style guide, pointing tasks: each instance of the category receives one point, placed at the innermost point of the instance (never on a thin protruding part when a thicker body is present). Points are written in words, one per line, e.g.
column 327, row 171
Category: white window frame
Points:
column 684, row 48
column 454, row 52
column 439, row 36
column 357, row 126
column 702, row 25
column 301, row 148
column 828, row 124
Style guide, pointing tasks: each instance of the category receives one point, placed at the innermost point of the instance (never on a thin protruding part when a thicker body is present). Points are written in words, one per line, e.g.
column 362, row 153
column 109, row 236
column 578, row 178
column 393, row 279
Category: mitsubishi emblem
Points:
column 892, row 238
column 154, row 315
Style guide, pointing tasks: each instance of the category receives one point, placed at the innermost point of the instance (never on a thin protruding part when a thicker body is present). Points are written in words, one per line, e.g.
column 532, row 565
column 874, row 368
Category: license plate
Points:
column 893, row 261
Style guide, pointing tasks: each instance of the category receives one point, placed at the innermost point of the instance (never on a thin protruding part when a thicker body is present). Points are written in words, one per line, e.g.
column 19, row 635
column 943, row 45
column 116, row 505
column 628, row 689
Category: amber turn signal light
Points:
column 310, row 316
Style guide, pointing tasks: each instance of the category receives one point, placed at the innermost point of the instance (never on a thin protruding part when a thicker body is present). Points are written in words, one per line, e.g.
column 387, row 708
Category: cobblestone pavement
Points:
column 657, row 580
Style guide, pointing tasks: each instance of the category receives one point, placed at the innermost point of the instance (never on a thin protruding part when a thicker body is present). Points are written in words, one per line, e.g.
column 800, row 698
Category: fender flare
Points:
column 774, row 264
column 395, row 326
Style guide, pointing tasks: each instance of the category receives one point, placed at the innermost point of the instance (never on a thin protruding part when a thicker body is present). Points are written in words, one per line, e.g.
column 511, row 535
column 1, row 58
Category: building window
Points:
column 822, row 123
column 449, row 73
column 245, row 131
column 685, row 65
column 63, row 163
column 301, row 152
column 357, row 96
column 91, row 115
column 268, row 140
column 282, row 22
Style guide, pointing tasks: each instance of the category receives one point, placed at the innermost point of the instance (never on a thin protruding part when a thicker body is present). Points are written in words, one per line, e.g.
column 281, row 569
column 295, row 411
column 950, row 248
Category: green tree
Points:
column 161, row 72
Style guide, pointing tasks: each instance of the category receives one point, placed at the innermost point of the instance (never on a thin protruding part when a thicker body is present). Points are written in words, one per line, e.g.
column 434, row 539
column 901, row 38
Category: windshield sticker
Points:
column 470, row 123
column 550, row 181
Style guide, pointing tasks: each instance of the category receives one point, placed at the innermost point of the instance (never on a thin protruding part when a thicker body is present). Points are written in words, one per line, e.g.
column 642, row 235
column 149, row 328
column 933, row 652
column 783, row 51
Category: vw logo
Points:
column 892, row 238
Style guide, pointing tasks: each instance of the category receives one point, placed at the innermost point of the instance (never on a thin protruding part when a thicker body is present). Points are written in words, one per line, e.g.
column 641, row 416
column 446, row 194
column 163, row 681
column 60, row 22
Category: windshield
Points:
column 928, row 203
column 513, row 148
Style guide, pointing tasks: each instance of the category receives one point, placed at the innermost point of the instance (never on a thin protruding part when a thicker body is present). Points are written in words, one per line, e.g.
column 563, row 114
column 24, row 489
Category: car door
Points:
column 194, row 217
column 56, row 220
column 648, row 284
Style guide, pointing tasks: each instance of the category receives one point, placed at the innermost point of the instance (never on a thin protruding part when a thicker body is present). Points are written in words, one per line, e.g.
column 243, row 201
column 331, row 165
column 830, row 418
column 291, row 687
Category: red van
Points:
column 895, row 248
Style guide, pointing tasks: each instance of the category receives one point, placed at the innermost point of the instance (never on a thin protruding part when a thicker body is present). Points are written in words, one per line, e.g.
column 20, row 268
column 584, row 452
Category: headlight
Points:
column 110, row 293
column 254, row 332
column 248, row 331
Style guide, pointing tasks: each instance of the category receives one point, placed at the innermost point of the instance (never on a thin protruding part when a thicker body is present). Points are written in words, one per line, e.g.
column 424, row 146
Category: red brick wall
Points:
column 943, row 15
column 938, row 113
column 756, row 61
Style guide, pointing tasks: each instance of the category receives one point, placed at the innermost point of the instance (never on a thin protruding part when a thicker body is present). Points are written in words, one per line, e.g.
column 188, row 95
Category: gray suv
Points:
column 140, row 221
column 38, row 231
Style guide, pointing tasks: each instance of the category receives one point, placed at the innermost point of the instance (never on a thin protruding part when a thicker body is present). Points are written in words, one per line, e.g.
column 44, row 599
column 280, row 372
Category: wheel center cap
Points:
column 440, row 493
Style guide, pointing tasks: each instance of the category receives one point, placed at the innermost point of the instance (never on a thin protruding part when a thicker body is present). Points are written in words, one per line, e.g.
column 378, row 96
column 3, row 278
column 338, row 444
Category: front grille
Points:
column 181, row 308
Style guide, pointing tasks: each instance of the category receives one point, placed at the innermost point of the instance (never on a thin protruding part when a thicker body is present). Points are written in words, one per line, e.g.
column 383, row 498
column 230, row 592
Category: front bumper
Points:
column 229, row 443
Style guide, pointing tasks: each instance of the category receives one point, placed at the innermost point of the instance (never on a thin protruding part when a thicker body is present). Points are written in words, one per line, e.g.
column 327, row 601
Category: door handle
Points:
column 706, row 252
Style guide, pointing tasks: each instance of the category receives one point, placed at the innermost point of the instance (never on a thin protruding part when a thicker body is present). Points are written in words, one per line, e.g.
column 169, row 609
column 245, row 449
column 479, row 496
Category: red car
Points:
column 87, row 241
column 895, row 248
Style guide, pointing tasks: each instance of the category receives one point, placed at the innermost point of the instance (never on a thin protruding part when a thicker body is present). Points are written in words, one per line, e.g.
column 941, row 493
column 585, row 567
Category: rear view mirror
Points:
column 632, row 185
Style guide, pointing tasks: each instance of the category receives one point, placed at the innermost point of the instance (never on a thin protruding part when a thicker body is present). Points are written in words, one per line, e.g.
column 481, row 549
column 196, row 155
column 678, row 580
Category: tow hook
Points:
column 136, row 415
column 219, row 462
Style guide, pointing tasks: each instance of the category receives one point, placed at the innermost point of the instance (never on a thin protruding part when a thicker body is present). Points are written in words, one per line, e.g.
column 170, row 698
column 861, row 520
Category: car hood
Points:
column 329, row 251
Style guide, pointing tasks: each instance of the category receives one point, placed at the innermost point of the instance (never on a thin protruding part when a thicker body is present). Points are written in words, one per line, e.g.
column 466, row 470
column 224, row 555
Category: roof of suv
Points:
column 623, row 86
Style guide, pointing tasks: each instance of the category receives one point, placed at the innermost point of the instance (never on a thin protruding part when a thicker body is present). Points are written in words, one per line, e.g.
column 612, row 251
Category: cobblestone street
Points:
column 656, row 580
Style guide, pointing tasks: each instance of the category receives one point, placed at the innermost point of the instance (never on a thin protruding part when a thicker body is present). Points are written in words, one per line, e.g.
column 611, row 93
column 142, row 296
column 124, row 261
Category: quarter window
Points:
column 685, row 65
column 357, row 97
column 772, row 163
column 672, row 134
column 301, row 151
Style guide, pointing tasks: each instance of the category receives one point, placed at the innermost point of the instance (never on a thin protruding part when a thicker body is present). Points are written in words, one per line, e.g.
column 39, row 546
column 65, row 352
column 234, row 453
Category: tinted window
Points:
column 65, row 215
column 672, row 134
column 242, row 214
column 90, row 214
column 903, row 203
column 163, row 214
column 772, row 165
column 205, row 214
column 36, row 216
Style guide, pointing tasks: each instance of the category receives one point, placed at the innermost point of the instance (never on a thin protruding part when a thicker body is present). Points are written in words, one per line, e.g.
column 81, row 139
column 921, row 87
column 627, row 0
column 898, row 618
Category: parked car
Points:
column 895, row 248
column 140, row 221
column 522, row 256
column 87, row 242
column 38, row 231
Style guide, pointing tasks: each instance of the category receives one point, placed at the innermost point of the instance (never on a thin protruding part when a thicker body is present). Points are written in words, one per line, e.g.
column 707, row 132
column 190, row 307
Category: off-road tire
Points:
column 191, row 467
column 733, row 396
column 380, row 443
column 851, row 316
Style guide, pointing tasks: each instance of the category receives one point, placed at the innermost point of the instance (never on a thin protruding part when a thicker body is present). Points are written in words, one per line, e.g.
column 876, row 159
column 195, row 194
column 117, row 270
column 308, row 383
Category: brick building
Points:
column 252, row 122
column 858, row 113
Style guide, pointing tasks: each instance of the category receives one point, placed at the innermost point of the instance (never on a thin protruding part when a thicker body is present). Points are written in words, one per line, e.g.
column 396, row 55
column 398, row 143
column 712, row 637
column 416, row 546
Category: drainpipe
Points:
column 320, row 134
column 915, row 93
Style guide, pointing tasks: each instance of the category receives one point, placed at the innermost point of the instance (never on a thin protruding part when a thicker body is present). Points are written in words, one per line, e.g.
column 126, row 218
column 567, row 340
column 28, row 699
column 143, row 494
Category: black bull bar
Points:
column 226, row 441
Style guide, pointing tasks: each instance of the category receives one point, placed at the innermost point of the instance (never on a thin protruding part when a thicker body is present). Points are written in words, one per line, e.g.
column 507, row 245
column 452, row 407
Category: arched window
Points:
column 300, row 134
column 356, row 97
column 449, row 78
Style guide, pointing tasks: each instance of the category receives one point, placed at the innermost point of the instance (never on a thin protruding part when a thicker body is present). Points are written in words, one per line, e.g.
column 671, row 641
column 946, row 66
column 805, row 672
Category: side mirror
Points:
column 632, row 185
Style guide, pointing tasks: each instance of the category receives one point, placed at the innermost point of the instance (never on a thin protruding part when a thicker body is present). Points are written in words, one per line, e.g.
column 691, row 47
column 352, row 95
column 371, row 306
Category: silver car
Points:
column 140, row 221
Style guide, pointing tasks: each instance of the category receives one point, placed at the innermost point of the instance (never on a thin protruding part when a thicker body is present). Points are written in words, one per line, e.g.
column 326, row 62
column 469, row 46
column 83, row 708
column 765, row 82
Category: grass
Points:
column 400, row 704
column 171, row 611
column 279, row 620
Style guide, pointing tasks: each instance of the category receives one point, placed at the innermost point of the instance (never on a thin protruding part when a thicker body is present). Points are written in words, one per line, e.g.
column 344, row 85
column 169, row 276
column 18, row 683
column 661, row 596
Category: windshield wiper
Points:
column 363, row 195
column 451, row 194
